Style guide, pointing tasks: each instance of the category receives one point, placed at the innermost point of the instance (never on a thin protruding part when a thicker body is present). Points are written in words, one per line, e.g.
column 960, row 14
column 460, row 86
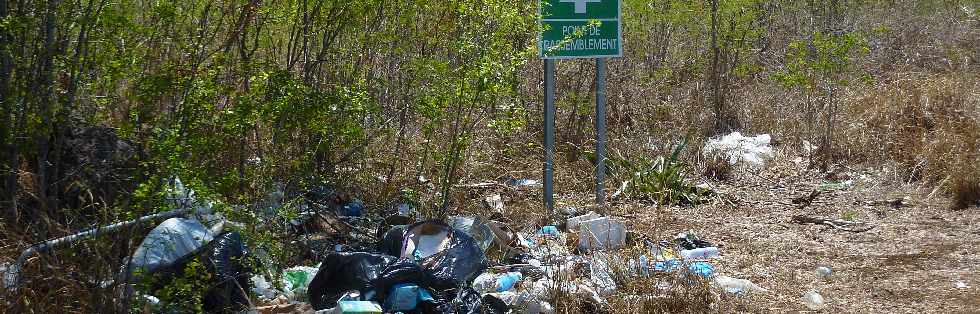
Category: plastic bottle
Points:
column 700, row 253
column 813, row 300
column 485, row 282
column 507, row 281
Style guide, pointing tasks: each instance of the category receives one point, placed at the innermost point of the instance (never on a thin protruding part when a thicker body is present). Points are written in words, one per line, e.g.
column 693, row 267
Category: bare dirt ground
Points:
column 910, row 262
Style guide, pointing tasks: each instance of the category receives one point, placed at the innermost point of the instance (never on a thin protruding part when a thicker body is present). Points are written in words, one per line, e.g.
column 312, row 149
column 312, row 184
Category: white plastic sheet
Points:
column 753, row 150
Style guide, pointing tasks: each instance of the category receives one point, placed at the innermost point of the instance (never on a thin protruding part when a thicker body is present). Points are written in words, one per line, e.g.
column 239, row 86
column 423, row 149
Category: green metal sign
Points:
column 580, row 29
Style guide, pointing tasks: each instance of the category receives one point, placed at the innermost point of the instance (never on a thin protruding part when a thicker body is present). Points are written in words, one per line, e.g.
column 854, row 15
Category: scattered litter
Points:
column 285, row 308
column 549, row 230
column 824, row 272
column 736, row 285
column 358, row 307
column 296, row 280
column 169, row 241
column 476, row 228
column 353, row 208
column 830, row 186
column 852, row 226
column 700, row 253
column 813, row 300
column 752, row 150
column 574, row 222
column 494, row 203
column 523, row 182
column 601, row 233
column 434, row 266
column 962, row 285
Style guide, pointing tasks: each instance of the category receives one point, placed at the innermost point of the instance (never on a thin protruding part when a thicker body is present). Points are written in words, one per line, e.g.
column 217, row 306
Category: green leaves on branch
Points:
column 825, row 58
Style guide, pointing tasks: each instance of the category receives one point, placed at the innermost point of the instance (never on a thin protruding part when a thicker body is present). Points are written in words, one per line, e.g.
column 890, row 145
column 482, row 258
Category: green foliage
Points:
column 822, row 60
column 183, row 291
column 662, row 180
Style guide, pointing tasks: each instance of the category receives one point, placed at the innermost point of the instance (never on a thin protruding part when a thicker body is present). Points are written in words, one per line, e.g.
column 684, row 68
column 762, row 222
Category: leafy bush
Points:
column 661, row 180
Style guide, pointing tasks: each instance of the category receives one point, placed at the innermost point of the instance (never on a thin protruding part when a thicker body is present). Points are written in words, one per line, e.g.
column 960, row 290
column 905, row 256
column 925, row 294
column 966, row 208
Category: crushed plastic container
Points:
column 358, row 307
column 601, row 234
column 813, row 300
column 700, row 253
column 474, row 227
column 574, row 222
column 263, row 288
column 485, row 282
column 701, row 269
column 824, row 272
column 736, row 285
column 549, row 230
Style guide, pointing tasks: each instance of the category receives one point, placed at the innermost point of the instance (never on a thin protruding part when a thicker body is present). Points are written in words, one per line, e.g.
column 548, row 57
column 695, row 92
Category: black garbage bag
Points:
column 455, row 266
column 446, row 273
column 226, row 258
column 345, row 271
column 466, row 301
column 226, row 263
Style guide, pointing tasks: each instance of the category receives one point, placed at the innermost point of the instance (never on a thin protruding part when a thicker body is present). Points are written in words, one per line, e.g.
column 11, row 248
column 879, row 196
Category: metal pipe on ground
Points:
column 11, row 277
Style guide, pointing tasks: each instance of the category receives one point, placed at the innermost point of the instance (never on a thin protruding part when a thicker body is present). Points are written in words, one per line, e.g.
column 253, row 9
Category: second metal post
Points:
column 600, row 130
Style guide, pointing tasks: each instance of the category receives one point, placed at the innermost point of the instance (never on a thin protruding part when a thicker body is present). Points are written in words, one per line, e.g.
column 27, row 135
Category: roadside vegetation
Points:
column 104, row 102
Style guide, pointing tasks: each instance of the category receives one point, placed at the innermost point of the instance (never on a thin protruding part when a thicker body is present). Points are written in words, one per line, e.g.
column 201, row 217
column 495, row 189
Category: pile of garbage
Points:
column 402, row 263
column 445, row 267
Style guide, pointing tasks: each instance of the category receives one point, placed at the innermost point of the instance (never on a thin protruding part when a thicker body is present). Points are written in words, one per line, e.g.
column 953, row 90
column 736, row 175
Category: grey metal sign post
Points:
column 577, row 29
column 549, row 134
column 600, row 130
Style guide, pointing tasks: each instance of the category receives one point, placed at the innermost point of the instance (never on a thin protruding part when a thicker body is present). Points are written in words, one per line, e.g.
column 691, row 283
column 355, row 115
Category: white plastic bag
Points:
column 168, row 242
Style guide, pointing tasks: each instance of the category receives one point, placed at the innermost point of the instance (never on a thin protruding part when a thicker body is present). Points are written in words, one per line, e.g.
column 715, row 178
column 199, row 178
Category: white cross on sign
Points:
column 580, row 4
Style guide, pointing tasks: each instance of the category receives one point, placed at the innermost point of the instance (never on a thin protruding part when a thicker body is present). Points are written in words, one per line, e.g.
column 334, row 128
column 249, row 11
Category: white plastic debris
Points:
column 602, row 279
column 169, row 241
column 485, row 282
column 813, row 300
column 601, row 233
column 494, row 203
column 962, row 285
column 753, row 151
column 263, row 288
column 736, row 285
column 295, row 281
column 574, row 222
column 824, row 271
column 3, row 272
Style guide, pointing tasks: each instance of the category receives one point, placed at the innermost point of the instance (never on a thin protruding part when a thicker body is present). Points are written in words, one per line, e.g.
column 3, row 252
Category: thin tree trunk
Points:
column 713, row 77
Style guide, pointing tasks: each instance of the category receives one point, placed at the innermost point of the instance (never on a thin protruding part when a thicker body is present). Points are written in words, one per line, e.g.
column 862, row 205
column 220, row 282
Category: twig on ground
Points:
column 852, row 226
